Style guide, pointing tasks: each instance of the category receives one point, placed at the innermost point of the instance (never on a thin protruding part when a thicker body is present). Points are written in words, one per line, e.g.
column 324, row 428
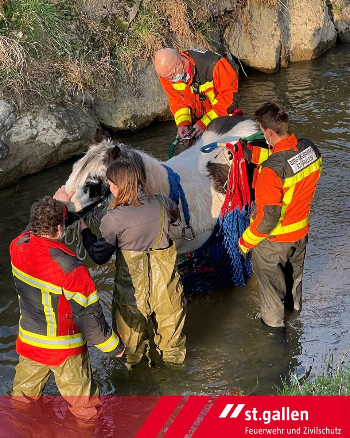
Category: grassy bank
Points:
column 51, row 49
column 333, row 381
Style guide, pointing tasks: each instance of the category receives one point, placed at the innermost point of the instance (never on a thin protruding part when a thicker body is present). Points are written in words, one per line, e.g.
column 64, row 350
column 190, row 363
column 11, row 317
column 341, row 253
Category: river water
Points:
column 228, row 349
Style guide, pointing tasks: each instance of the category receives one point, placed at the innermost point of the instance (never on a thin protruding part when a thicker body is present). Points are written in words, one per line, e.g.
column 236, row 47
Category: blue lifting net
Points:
column 218, row 263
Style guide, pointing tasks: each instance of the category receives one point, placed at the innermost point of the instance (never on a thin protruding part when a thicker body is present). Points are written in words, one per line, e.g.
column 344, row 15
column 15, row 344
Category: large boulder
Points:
column 340, row 10
column 311, row 29
column 37, row 141
column 256, row 38
column 134, row 108
column 114, row 11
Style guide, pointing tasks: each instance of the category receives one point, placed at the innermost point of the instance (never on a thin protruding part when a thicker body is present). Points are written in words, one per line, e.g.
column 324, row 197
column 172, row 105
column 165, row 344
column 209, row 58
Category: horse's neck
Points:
column 188, row 159
column 157, row 176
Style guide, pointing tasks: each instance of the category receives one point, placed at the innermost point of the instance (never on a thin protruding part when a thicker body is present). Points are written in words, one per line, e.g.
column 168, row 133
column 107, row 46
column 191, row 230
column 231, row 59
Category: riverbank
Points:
column 71, row 69
column 335, row 380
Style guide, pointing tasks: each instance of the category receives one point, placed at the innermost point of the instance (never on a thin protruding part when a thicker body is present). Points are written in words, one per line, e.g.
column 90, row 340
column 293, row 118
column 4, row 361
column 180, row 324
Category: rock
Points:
column 340, row 10
column 4, row 150
column 135, row 108
column 216, row 9
column 113, row 10
column 311, row 29
column 255, row 39
column 7, row 116
column 37, row 141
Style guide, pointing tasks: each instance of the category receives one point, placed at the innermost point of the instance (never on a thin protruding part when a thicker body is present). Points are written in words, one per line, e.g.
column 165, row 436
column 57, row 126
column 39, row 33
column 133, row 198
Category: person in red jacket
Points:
column 60, row 311
column 201, row 86
column 278, row 232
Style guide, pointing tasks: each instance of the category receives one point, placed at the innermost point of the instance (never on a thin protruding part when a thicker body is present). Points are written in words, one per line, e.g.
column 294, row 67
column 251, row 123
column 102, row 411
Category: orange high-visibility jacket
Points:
column 284, row 189
column 58, row 302
column 209, row 93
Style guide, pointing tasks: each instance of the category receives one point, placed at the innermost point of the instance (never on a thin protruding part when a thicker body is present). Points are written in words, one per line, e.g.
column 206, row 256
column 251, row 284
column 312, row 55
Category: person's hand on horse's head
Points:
column 63, row 196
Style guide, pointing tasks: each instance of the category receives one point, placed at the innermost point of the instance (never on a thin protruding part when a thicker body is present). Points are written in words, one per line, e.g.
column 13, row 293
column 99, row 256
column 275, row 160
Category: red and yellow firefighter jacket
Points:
column 208, row 94
column 284, row 189
column 58, row 301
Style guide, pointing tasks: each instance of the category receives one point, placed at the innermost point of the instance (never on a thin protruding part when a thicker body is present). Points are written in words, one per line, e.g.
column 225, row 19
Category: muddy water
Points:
column 228, row 348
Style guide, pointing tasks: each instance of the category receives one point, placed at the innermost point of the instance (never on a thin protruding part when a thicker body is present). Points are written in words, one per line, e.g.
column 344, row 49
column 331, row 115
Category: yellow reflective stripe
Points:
column 251, row 238
column 180, row 86
column 80, row 298
column 51, row 342
column 32, row 281
column 206, row 120
column 212, row 114
column 183, row 118
column 181, row 115
column 109, row 345
column 293, row 180
column 49, row 313
column 211, row 97
column 264, row 155
column 203, row 88
column 280, row 229
column 182, row 112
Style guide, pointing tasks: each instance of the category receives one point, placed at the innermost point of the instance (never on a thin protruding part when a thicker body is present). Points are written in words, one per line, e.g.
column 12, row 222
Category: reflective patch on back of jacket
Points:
column 302, row 159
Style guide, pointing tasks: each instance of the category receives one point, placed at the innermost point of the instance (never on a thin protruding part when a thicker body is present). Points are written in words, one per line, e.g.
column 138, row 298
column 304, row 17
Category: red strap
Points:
column 237, row 193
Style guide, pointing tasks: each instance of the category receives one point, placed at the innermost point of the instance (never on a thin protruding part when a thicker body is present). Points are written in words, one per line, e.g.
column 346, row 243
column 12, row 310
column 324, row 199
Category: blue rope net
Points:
column 218, row 263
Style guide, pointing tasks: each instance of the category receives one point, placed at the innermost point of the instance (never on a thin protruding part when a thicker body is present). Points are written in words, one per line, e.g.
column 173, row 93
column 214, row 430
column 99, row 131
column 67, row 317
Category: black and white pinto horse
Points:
column 202, row 176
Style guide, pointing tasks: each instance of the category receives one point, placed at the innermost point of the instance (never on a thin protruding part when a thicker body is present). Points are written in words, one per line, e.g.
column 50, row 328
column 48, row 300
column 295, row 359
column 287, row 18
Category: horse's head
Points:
column 88, row 177
column 224, row 130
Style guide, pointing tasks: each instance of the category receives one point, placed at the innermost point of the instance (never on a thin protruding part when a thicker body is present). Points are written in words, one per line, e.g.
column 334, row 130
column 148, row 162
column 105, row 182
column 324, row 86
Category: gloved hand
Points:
column 244, row 250
column 121, row 347
column 247, row 149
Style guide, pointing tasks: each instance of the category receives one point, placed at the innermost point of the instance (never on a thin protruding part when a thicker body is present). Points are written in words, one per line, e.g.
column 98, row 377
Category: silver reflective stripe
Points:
column 74, row 339
column 49, row 313
column 35, row 282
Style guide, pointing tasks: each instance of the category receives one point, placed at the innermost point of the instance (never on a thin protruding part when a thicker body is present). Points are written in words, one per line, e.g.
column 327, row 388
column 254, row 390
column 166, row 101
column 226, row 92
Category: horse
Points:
column 202, row 178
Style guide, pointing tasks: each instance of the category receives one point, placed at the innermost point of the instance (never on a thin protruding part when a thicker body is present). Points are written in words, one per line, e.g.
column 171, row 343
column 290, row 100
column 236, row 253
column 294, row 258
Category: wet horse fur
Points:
column 203, row 175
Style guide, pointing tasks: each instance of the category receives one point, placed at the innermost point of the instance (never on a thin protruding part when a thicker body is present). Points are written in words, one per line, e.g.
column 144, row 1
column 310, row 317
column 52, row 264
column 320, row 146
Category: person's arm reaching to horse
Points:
column 181, row 112
column 100, row 249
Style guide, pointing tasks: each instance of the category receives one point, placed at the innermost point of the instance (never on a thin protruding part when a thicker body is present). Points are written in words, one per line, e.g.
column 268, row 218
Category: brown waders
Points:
column 278, row 267
column 73, row 379
column 147, row 286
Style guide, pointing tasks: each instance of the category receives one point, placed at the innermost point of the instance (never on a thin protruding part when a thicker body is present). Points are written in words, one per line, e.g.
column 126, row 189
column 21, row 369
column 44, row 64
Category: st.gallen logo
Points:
column 227, row 409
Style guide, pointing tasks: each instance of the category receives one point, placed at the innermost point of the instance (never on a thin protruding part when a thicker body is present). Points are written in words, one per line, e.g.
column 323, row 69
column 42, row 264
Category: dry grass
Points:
column 183, row 19
column 52, row 49
column 12, row 54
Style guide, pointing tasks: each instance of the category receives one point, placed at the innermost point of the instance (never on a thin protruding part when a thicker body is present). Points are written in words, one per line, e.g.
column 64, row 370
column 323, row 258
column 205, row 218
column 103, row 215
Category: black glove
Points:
column 119, row 351
column 245, row 252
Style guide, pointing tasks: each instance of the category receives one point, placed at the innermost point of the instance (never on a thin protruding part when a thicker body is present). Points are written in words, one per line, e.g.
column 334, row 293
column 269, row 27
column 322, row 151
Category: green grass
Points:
column 333, row 381
column 62, row 48
column 39, row 25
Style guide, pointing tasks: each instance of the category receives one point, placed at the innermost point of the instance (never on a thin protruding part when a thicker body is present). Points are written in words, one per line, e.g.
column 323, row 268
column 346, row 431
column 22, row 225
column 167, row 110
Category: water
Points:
column 228, row 348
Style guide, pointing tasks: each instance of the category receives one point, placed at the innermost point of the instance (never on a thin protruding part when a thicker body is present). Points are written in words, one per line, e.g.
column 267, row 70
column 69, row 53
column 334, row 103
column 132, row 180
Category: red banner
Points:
column 179, row 416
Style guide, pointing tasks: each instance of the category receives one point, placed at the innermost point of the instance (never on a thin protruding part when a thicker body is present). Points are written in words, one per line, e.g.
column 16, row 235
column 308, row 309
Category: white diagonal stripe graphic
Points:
column 226, row 411
column 236, row 412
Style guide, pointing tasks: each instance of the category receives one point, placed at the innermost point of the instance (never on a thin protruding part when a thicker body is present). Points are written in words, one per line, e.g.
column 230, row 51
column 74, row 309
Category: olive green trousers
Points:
column 73, row 379
column 278, row 267
column 148, row 289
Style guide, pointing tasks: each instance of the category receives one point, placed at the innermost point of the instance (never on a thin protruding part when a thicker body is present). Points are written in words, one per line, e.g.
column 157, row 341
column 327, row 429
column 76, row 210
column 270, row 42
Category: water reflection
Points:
column 228, row 348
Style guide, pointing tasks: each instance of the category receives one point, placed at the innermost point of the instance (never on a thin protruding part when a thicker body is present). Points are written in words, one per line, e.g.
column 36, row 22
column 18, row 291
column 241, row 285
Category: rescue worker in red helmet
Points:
column 278, row 232
column 60, row 311
column 200, row 85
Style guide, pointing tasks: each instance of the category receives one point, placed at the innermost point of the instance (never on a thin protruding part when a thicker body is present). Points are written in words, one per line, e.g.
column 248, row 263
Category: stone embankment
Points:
column 263, row 35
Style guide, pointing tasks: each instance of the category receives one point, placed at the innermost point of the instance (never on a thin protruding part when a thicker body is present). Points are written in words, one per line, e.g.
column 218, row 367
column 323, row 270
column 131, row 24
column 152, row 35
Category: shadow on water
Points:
column 228, row 348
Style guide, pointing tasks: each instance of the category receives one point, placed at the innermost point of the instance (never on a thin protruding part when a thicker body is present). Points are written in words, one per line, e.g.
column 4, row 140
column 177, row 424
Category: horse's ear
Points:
column 112, row 154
